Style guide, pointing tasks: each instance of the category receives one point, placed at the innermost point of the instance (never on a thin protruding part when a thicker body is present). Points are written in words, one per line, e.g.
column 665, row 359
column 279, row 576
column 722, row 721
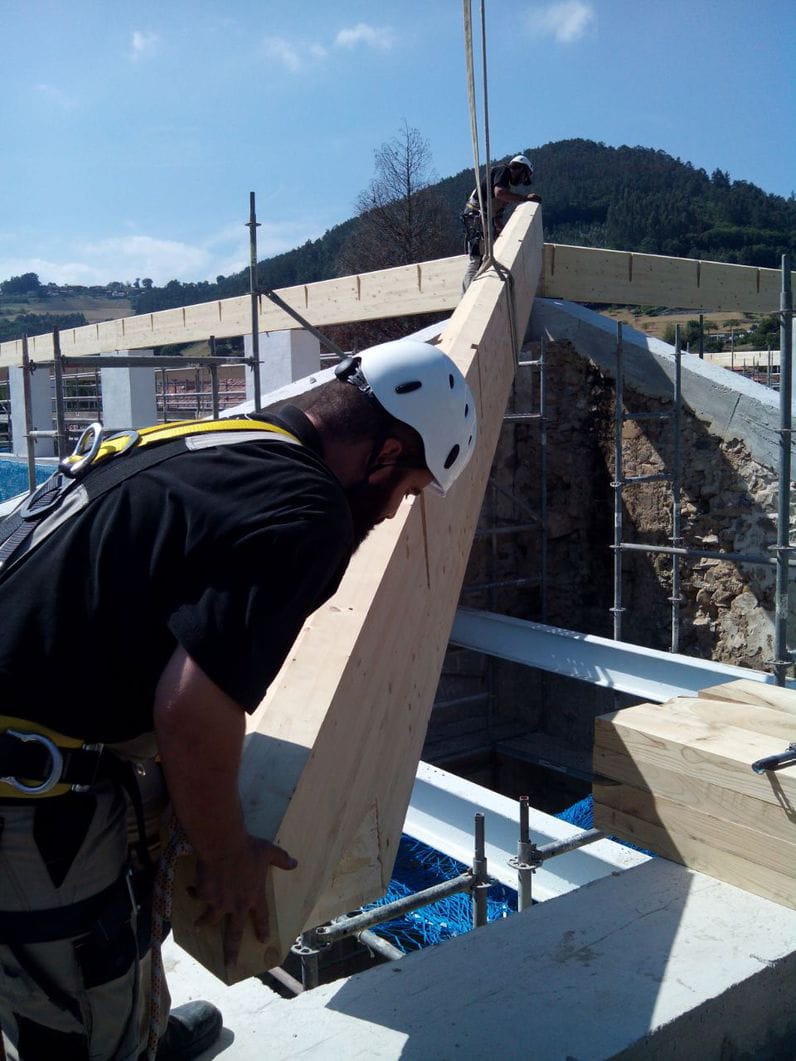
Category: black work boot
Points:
column 192, row 1028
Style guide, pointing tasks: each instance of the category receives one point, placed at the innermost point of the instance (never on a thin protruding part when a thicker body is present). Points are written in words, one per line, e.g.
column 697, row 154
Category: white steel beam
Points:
column 441, row 815
column 643, row 672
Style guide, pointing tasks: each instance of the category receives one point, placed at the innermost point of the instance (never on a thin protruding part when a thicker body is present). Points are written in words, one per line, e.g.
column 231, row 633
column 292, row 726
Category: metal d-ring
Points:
column 79, row 459
column 56, row 765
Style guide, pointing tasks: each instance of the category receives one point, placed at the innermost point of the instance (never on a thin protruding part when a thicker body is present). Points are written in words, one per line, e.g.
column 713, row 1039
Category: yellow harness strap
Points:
column 125, row 440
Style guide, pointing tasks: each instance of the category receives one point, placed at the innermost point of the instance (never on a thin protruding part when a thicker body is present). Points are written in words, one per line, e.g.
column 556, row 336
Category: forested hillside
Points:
column 625, row 198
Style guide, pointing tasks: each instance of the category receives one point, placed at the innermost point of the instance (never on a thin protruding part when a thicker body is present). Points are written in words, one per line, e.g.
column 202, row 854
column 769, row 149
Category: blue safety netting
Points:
column 580, row 814
column 417, row 867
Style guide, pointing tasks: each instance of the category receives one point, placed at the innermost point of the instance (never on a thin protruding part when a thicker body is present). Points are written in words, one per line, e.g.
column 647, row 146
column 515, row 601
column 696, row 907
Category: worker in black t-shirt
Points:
column 152, row 620
column 507, row 185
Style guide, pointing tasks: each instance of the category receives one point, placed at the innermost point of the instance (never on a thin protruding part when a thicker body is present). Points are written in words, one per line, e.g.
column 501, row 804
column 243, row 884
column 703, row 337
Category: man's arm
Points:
column 506, row 196
column 200, row 734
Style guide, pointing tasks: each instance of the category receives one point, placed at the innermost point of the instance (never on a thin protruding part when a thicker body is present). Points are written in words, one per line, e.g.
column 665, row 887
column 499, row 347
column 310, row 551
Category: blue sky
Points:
column 133, row 134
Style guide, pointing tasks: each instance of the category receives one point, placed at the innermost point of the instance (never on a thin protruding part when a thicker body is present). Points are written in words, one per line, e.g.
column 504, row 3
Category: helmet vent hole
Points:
column 451, row 458
column 470, row 440
column 408, row 387
column 466, row 410
column 451, row 381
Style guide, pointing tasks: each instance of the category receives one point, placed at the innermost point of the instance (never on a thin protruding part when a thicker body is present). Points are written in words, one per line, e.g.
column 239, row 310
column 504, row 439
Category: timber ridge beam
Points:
column 577, row 274
column 331, row 752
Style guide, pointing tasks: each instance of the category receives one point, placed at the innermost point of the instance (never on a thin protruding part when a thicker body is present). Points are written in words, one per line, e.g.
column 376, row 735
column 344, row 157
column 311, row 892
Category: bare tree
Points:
column 401, row 219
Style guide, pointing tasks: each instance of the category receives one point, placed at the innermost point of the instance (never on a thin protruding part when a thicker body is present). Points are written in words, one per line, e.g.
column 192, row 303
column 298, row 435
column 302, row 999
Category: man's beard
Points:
column 368, row 503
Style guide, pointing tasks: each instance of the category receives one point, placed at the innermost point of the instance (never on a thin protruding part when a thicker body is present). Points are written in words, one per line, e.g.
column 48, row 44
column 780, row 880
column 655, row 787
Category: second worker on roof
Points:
column 508, row 183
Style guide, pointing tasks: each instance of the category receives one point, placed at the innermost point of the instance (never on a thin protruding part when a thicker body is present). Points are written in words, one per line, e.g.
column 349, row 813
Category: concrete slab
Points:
column 655, row 962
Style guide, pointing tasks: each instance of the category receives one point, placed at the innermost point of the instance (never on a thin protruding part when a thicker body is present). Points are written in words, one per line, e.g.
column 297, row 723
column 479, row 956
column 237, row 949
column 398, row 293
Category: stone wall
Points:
column 728, row 503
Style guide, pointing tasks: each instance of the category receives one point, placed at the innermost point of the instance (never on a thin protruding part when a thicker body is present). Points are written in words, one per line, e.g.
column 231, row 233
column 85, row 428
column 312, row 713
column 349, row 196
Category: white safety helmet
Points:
column 419, row 385
column 521, row 160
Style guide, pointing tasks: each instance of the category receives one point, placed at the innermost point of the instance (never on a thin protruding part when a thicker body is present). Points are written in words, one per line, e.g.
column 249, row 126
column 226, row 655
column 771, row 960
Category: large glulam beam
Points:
column 591, row 274
column 578, row 274
column 420, row 288
column 331, row 753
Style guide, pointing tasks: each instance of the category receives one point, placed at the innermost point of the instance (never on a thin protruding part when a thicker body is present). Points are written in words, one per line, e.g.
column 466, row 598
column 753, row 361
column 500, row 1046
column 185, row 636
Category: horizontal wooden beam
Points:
column 578, row 274
column 678, row 780
column 331, row 753
column 687, row 789
column 757, row 694
column 720, row 755
column 425, row 287
column 591, row 274
column 694, row 839
column 740, row 359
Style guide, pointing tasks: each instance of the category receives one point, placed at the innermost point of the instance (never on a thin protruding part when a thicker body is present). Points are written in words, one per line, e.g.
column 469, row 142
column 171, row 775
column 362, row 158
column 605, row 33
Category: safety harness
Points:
column 35, row 760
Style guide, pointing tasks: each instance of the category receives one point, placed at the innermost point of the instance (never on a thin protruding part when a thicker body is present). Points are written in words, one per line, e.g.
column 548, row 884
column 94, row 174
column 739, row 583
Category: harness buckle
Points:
column 98, row 748
column 131, row 437
column 56, row 765
column 44, row 498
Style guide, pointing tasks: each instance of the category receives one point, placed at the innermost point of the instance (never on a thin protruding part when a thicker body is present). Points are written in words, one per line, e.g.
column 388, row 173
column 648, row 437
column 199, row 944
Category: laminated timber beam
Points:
column 331, row 753
column 419, row 288
column 577, row 274
column 590, row 274
column 677, row 779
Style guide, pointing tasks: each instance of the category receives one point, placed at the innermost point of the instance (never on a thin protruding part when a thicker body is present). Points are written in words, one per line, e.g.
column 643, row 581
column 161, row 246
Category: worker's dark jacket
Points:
column 499, row 177
column 224, row 551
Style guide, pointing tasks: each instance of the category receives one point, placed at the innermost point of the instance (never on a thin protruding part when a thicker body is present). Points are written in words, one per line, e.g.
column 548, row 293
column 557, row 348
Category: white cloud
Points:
column 564, row 22
column 160, row 259
column 282, row 51
column 53, row 272
column 222, row 251
column 55, row 96
column 381, row 38
column 295, row 56
column 143, row 43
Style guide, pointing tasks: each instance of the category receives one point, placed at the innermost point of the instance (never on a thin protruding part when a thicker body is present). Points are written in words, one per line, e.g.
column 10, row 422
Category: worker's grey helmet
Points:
column 421, row 386
column 521, row 160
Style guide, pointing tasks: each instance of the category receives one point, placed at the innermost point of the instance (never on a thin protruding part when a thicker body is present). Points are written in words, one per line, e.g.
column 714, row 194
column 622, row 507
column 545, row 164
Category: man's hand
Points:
column 200, row 735
column 533, row 198
column 233, row 886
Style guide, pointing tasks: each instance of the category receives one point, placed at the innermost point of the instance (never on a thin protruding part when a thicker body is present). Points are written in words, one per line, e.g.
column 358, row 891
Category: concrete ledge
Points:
column 733, row 406
column 655, row 962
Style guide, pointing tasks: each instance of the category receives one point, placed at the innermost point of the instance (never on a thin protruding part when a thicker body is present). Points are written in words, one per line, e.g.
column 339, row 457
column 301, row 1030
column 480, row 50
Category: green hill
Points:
column 37, row 312
column 625, row 198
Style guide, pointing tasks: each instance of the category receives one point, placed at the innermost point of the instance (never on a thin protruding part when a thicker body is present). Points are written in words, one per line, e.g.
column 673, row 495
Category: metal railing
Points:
column 5, row 412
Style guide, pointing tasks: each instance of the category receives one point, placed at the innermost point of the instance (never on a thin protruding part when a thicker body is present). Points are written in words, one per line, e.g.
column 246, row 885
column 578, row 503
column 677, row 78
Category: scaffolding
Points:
column 492, row 529
column 783, row 549
column 5, row 412
column 474, row 882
